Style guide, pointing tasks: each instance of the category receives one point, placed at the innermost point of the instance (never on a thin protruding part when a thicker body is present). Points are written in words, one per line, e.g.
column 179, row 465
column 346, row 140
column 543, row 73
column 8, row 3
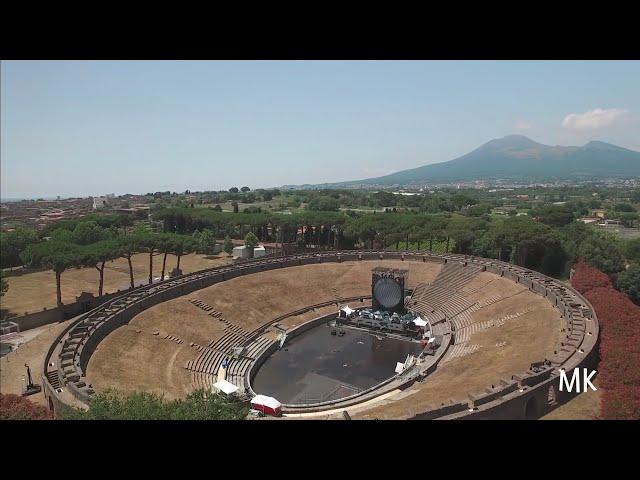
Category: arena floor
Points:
column 317, row 366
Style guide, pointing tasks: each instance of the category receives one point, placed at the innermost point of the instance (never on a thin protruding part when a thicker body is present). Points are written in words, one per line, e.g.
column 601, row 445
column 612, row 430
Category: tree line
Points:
column 90, row 245
column 541, row 244
column 546, row 244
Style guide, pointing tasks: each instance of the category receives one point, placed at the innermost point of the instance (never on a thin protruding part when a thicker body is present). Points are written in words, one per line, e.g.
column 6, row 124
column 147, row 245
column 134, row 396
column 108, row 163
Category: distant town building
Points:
column 611, row 222
column 504, row 209
column 99, row 203
column 133, row 210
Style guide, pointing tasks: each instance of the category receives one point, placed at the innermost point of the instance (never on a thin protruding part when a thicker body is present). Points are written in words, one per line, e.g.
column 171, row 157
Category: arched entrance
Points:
column 51, row 409
column 531, row 409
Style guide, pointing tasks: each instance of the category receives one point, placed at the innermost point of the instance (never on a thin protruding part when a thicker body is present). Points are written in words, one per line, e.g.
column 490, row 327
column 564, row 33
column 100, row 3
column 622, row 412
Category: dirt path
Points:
column 169, row 368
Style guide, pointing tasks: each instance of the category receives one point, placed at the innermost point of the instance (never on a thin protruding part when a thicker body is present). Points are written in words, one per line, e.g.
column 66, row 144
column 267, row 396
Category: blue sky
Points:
column 89, row 128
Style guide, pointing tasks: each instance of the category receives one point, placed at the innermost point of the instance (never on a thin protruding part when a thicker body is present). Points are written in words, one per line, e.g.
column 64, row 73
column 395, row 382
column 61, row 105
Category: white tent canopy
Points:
column 266, row 401
column 419, row 322
column 347, row 310
column 399, row 367
column 225, row 387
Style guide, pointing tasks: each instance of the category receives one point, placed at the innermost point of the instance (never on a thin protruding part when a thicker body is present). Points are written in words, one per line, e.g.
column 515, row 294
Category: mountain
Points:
column 518, row 157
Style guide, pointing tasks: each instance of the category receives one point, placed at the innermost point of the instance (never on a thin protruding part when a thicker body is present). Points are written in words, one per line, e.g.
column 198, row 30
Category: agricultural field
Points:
column 276, row 204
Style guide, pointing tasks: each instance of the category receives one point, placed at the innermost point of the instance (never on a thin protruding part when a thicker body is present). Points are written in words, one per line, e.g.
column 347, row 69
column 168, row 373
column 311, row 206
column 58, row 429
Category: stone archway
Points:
column 552, row 396
column 531, row 409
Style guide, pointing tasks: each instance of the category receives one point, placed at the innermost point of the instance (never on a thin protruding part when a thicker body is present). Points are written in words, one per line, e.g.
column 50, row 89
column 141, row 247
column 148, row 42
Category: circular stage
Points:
column 316, row 366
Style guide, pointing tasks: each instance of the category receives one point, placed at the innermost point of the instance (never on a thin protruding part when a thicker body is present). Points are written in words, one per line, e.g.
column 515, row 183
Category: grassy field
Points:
column 276, row 204
column 31, row 292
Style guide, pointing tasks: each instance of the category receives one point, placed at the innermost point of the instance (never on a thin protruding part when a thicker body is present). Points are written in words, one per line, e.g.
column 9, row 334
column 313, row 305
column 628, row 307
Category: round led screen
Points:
column 387, row 292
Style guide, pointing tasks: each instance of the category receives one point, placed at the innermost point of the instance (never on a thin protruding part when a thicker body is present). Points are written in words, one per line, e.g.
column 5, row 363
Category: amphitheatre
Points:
column 505, row 334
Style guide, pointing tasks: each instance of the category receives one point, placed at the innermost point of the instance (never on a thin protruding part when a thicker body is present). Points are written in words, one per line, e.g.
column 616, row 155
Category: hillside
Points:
column 518, row 157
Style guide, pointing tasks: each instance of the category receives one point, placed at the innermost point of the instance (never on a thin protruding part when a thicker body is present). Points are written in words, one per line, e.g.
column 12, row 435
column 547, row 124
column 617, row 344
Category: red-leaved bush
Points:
column 585, row 278
column 621, row 403
column 15, row 407
column 619, row 367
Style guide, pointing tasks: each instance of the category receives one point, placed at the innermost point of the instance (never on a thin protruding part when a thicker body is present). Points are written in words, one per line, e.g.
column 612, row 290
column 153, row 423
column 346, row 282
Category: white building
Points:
column 243, row 252
column 240, row 252
column 99, row 202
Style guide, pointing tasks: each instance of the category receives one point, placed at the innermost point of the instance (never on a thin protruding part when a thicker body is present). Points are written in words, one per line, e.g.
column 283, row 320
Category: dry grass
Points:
column 487, row 285
column 182, row 319
column 252, row 300
column 32, row 292
column 131, row 363
column 293, row 322
column 12, row 367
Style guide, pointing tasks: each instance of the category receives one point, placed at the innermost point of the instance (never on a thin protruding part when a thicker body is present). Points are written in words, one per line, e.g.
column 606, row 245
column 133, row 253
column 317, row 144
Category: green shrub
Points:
column 198, row 405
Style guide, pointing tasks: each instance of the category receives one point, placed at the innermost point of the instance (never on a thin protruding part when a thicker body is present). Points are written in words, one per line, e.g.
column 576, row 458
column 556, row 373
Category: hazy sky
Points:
column 90, row 128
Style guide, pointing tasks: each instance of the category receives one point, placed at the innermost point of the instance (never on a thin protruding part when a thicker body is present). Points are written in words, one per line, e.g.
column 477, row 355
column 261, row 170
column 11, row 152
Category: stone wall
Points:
column 46, row 316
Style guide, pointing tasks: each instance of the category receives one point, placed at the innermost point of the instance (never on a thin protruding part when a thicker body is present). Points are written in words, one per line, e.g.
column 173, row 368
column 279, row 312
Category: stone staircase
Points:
column 54, row 379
